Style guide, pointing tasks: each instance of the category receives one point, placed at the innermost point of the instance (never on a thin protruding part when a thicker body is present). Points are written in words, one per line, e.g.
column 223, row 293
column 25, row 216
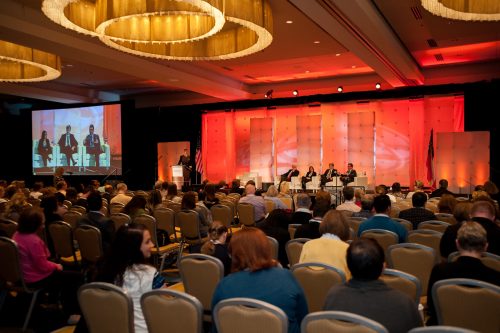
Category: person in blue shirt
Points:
column 256, row 275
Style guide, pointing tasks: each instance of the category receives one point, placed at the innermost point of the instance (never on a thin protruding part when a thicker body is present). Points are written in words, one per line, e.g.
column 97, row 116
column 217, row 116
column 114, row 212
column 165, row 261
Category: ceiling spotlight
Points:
column 340, row 89
column 295, row 92
column 269, row 94
column 377, row 86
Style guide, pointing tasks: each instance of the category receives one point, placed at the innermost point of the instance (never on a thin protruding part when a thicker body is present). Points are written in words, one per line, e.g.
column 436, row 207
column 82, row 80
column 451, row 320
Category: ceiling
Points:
column 330, row 43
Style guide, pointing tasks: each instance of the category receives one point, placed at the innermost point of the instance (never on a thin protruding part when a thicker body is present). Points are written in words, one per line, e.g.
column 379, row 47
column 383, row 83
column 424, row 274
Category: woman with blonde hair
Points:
column 216, row 246
column 272, row 195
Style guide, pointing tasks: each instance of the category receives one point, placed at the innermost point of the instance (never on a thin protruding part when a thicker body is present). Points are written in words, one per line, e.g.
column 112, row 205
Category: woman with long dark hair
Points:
column 217, row 246
column 44, row 148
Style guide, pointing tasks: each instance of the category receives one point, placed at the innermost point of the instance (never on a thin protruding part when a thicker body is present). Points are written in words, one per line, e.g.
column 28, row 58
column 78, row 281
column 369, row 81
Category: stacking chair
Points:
column 446, row 217
column 165, row 219
column 467, row 303
column 404, row 282
column 440, row 329
column 248, row 315
column 292, row 227
column 11, row 276
column 274, row 247
column 61, row 234
column 90, row 243
column 106, row 308
column 232, row 205
column 175, row 206
column 116, row 207
column 172, row 311
column 67, row 203
column 427, row 237
column 433, row 225
column 405, row 223
column 414, row 259
column 488, row 259
column 200, row 275
column 246, row 214
column 71, row 217
column 235, row 196
column 340, row 321
column 287, row 201
column 223, row 214
column 354, row 223
column 79, row 209
column 294, row 248
column 270, row 206
column 189, row 223
column 385, row 238
column 316, row 279
column 8, row 226
column 120, row 219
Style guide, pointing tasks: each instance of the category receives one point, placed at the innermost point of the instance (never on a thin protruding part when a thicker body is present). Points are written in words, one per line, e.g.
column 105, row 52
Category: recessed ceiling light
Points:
column 316, row 42
column 289, row 22
column 377, row 85
column 337, row 54
column 295, row 92
column 308, row 71
column 340, row 89
column 353, row 66
column 69, row 65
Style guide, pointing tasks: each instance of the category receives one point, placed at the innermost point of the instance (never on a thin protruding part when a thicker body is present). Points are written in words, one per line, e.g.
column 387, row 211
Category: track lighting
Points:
column 295, row 92
column 269, row 94
column 340, row 89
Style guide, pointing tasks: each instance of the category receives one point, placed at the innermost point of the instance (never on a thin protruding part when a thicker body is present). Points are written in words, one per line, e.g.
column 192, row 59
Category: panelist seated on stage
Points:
column 68, row 145
column 329, row 174
column 287, row 176
column 308, row 177
column 93, row 144
column 348, row 176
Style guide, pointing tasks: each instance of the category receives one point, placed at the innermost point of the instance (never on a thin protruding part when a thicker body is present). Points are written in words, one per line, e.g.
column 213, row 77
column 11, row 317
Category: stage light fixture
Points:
column 269, row 94
column 295, row 92
column 340, row 89
column 377, row 86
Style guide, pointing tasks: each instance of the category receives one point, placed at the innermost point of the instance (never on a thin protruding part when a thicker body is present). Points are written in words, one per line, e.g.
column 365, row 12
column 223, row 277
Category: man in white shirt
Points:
column 349, row 204
column 121, row 197
column 259, row 206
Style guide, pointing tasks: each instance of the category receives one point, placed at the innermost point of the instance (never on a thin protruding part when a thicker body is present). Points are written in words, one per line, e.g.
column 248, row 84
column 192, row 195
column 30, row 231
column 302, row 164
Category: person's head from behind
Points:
column 272, row 191
column 37, row 186
column 419, row 199
column 490, row 187
column 132, row 245
column 61, row 185
column 348, row 193
column 155, row 198
column 367, row 203
column 250, row 189
column 335, row 223
column 365, row 259
column 483, row 209
column 94, row 201
column 471, row 237
column 303, row 201
column 382, row 204
column 30, row 221
column 235, row 184
column 462, row 211
column 380, row 189
column 210, row 190
column 172, row 189
column 137, row 202
column 188, row 200
column 396, row 187
column 49, row 204
column 447, row 203
column 359, row 193
column 250, row 249
column 285, row 188
column 443, row 183
column 121, row 187
column 278, row 218
column 217, row 233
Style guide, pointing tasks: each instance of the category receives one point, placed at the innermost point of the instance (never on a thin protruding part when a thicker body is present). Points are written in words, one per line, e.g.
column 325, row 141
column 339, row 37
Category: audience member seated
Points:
column 331, row 247
column 72, row 195
column 461, row 213
column 418, row 213
column 349, row 204
column 97, row 219
column 284, row 190
column 217, row 245
column 447, row 204
column 210, row 198
column 302, row 214
column 381, row 219
column 172, row 194
column 368, row 296
column 366, row 207
column 321, row 207
column 135, row 207
column 492, row 190
column 236, row 187
column 396, row 191
column 359, row 193
column 471, row 243
column 482, row 212
column 419, row 187
column 126, row 265
column 259, row 206
column 276, row 225
column 35, row 193
column 61, row 208
column 121, row 197
column 443, row 189
column 154, row 201
column 189, row 203
column 256, row 275
column 383, row 190
column 272, row 195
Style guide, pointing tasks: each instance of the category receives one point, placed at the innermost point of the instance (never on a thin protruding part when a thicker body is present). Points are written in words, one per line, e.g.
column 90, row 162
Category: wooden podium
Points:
column 178, row 176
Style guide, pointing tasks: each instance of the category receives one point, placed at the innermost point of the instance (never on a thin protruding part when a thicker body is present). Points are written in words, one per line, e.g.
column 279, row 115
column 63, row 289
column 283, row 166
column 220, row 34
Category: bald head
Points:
column 250, row 189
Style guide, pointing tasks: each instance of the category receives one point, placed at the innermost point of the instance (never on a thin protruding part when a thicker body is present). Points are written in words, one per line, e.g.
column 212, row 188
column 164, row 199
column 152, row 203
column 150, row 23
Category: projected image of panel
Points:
column 84, row 140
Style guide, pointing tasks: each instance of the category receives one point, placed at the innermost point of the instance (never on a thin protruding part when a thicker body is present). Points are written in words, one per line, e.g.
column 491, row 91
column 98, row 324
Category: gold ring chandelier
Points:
column 24, row 64
column 471, row 10
column 170, row 29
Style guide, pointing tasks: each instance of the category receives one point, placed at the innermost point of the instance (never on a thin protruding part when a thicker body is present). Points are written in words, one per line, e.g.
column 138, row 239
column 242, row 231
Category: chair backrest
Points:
column 67, row 203
column 246, row 214
column 404, row 282
column 200, row 275
column 385, row 238
column 467, row 303
column 165, row 220
column 488, row 259
column 274, row 247
column 8, row 226
column 189, row 222
column 150, row 223
column 236, row 196
column 434, row 225
column 446, row 217
column 10, row 266
column 90, row 243
column 355, row 222
column 120, row 219
column 427, row 237
column 116, row 207
column 340, row 321
column 405, row 223
column 62, row 238
column 317, row 279
column 82, row 210
column 222, row 213
column 292, row 227
column 287, row 201
column 249, row 315
column 72, row 217
column 97, row 298
column 294, row 248
column 441, row 329
column 175, row 206
column 172, row 310
column 270, row 205
column 414, row 259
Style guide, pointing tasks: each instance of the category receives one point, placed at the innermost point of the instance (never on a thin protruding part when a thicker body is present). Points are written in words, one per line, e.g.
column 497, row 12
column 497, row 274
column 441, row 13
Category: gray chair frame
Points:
column 454, row 255
column 9, row 226
column 406, row 276
column 342, row 316
column 84, row 254
column 404, row 222
column 292, row 241
column 117, row 219
column 60, row 249
column 274, row 247
column 441, row 329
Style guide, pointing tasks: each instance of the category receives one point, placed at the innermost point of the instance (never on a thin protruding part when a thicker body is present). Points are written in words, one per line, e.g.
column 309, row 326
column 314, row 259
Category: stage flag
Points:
column 198, row 160
column 430, row 162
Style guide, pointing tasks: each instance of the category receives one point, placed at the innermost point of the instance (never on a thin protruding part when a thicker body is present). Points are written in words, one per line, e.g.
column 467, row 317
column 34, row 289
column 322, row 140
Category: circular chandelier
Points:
column 477, row 10
column 24, row 64
column 170, row 29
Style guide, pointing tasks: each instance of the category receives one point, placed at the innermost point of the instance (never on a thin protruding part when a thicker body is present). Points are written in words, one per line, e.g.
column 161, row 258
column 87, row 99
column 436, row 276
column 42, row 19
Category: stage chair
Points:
column 170, row 310
column 97, row 298
column 315, row 184
column 404, row 282
column 467, row 303
column 295, row 184
column 11, row 276
column 340, row 321
column 8, row 226
column 249, row 315
column 294, row 248
column 317, row 279
column 89, row 159
column 200, row 275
